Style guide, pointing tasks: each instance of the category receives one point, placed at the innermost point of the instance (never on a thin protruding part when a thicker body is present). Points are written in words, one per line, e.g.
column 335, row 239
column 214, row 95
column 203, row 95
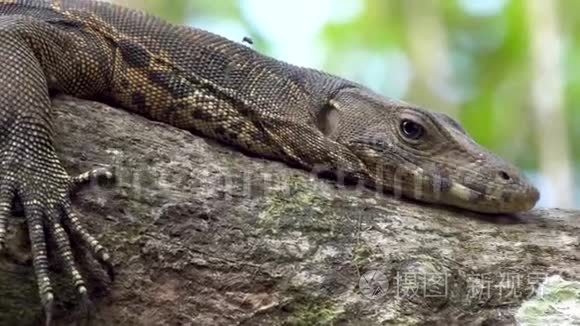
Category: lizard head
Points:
column 423, row 155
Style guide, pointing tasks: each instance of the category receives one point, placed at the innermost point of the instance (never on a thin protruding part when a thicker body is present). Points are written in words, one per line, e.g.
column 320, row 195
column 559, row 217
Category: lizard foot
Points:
column 43, row 190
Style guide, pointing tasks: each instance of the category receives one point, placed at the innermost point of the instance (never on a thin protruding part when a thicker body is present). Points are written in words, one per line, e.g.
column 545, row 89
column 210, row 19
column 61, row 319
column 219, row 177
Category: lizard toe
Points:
column 72, row 222
column 61, row 239
column 48, row 305
column 34, row 217
column 99, row 176
column 6, row 196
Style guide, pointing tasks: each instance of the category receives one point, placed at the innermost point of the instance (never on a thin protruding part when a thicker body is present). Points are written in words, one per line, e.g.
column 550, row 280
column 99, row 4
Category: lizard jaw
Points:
column 498, row 201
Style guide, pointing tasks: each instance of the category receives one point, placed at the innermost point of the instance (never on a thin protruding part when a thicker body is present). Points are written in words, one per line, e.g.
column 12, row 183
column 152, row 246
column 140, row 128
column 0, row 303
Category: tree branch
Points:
column 202, row 234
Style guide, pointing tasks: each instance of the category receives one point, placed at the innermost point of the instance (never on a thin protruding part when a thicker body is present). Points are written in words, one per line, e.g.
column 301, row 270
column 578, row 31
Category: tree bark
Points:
column 202, row 234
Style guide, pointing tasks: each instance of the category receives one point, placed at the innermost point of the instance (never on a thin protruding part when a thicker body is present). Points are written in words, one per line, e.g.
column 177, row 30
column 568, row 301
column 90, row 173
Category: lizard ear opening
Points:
column 328, row 118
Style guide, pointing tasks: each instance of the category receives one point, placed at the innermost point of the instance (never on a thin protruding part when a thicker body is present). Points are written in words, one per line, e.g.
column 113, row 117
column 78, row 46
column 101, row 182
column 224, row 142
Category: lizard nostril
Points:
column 504, row 175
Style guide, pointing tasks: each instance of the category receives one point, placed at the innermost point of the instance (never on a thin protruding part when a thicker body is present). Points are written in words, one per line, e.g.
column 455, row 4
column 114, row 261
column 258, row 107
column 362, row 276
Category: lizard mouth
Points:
column 499, row 201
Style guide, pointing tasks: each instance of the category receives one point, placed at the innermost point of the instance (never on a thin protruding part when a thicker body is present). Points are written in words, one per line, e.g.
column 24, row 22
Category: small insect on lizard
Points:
column 198, row 81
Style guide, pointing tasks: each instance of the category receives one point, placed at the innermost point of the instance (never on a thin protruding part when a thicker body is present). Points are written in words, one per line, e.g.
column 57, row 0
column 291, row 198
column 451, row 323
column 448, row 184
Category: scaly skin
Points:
column 197, row 81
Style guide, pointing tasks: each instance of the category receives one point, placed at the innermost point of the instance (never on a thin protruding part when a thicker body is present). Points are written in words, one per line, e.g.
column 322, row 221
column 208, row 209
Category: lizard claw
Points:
column 48, row 304
column 86, row 309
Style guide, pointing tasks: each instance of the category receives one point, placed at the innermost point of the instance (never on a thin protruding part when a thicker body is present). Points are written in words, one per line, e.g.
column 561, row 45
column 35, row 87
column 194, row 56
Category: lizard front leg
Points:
column 31, row 171
column 303, row 144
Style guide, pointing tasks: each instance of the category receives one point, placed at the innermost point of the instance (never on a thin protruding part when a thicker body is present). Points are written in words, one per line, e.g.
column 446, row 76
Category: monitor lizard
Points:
column 201, row 82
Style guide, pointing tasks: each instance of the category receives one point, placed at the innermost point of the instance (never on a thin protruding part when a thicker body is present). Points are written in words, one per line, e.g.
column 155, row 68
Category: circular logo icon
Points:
column 373, row 285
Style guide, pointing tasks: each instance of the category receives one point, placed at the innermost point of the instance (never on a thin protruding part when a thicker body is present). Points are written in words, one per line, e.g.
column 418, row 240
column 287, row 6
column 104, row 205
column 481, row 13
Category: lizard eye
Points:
column 411, row 129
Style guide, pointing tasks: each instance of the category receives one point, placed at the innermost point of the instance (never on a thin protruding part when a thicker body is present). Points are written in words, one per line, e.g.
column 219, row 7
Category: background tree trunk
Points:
column 202, row 235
